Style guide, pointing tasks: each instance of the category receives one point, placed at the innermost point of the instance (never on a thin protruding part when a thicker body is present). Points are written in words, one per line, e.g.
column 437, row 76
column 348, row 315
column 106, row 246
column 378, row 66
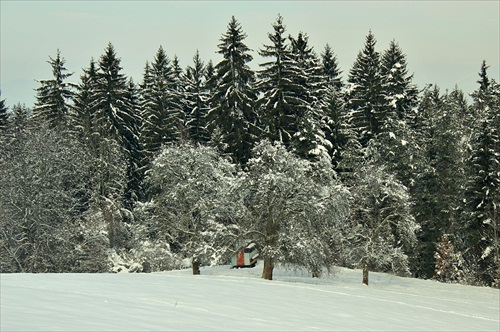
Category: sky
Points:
column 445, row 41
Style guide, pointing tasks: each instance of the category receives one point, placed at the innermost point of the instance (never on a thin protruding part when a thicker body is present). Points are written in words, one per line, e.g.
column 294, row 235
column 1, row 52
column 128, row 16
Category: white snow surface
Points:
column 222, row 299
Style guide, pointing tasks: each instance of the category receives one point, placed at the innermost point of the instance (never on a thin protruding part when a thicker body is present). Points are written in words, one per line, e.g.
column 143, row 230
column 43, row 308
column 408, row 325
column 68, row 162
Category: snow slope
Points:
column 224, row 299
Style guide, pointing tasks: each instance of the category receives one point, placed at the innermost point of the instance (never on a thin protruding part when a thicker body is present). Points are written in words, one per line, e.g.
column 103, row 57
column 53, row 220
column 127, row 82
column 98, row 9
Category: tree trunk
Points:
column 267, row 272
column 196, row 267
column 316, row 272
column 109, row 218
column 365, row 275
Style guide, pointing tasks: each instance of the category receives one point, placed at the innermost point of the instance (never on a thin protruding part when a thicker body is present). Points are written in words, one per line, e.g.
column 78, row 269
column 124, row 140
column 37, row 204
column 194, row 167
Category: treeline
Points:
column 190, row 163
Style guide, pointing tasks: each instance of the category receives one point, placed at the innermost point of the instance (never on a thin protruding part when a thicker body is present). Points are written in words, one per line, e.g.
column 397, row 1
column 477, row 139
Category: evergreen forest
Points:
column 318, row 167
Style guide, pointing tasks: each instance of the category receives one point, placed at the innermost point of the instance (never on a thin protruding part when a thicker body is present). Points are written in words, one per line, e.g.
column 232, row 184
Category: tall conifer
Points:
column 284, row 100
column 365, row 100
column 197, row 96
column 399, row 91
column 3, row 114
column 54, row 96
column 232, row 116
column 482, row 213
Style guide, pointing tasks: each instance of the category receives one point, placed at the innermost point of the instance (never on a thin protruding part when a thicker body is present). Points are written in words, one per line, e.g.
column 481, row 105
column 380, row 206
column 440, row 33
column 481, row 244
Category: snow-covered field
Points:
column 224, row 299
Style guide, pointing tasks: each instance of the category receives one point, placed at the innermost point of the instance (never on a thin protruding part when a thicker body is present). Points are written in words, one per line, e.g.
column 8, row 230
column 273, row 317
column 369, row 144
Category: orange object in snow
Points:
column 245, row 256
column 241, row 258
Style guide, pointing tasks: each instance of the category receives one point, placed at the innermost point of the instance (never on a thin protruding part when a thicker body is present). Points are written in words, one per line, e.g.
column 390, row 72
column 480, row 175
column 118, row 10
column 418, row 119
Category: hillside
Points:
column 225, row 299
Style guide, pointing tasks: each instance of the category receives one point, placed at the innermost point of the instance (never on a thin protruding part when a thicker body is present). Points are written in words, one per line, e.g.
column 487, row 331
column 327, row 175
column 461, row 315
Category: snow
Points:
column 224, row 299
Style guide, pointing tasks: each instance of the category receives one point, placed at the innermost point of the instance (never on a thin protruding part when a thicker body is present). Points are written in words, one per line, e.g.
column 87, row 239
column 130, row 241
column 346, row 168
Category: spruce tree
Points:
column 84, row 101
column 334, row 105
column 209, row 74
column 395, row 139
column 232, row 115
column 136, row 153
column 19, row 118
column 283, row 100
column 482, row 228
column 197, row 97
column 176, row 117
column 4, row 116
column 54, row 96
column 482, row 96
column 311, row 139
column 210, row 81
column 115, row 116
column 365, row 99
column 439, row 173
column 399, row 91
column 331, row 68
column 159, row 105
column 115, row 126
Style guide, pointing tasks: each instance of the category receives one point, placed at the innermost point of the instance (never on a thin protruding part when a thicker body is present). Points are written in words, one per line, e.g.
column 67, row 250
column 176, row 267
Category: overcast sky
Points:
column 445, row 41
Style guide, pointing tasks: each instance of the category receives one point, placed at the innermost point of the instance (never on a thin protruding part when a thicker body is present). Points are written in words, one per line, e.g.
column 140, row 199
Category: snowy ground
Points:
column 224, row 299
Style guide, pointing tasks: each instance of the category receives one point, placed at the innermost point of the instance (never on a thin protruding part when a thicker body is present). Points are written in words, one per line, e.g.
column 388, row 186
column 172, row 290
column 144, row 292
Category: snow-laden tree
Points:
column 45, row 178
column 160, row 108
column 191, row 194
column 365, row 100
column 439, row 183
column 177, row 116
column 84, row 102
column 4, row 116
column 54, row 96
column 115, row 127
column 197, row 101
column 115, row 116
column 482, row 216
column 283, row 101
column 333, row 105
column 331, row 68
column 449, row 263
column 292, row 208
column 383, row 229
column 310, row 141
column 232, row 117
column 400, row 93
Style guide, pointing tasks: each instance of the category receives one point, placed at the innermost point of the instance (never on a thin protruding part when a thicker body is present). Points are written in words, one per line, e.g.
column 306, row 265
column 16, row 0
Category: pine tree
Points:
column 153, row 111
column 197, row 97
column 4, row 116
column 311, row 139
column 19, row 118
column 439, row 173
column 162, row 109
column 209, row 75
column 114, row 114
column 136, row 153
column 115, row 129
column 331, row 68
column 482, row 231
column 176, row 119
column 395, row 139
column 399, row 91
column 232, row 115
column 334, row 105
column 84, row 99
column 283, row 100
column 365, row 99
column 55, row 95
